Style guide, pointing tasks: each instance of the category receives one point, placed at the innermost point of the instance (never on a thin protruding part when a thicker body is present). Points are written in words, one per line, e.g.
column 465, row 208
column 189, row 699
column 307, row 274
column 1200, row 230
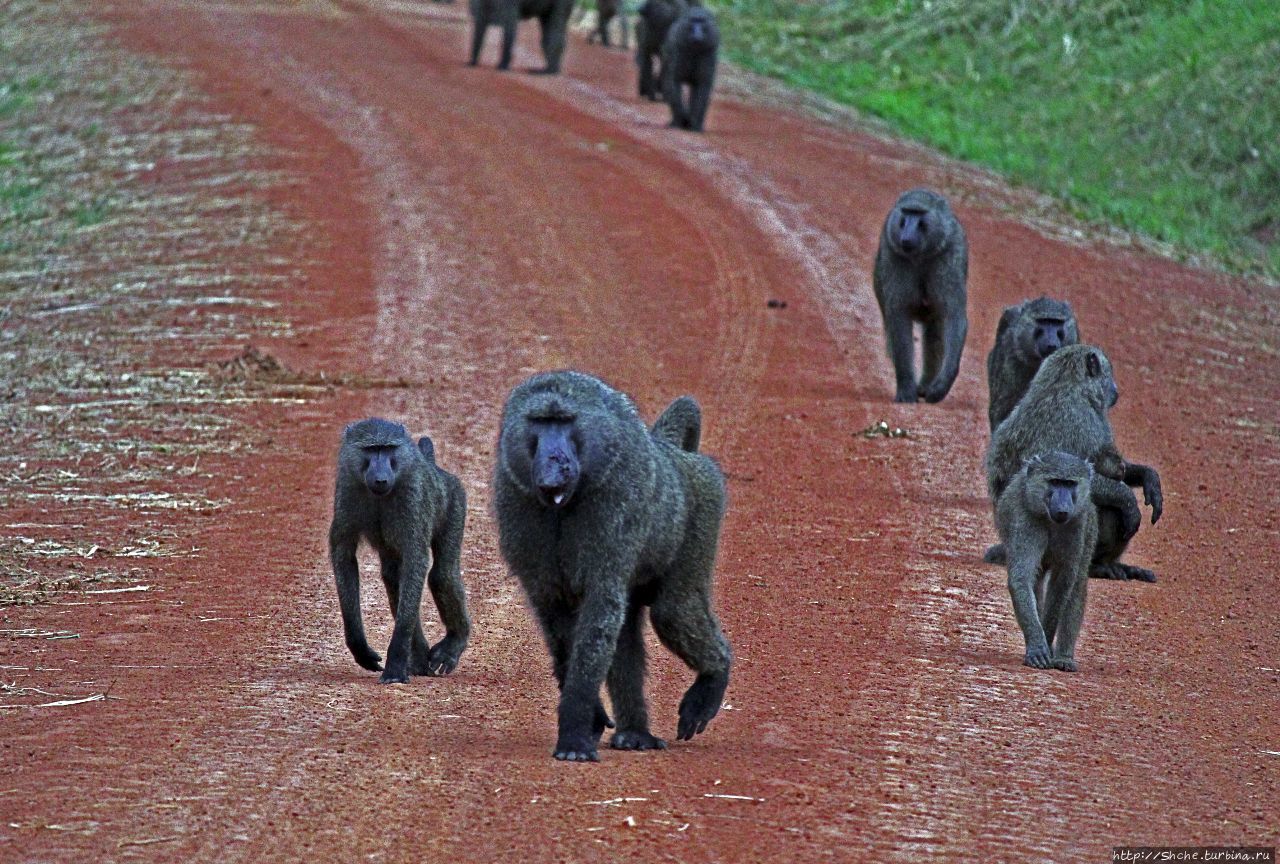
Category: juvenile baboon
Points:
column 920, row 274
column 600, row 518
column 553, row 19
column 652, row 23
column 1027, row 333
column 391, row 493
column 689, row 60
column 1065, row 408
column 1049, row 527
column 606, row 11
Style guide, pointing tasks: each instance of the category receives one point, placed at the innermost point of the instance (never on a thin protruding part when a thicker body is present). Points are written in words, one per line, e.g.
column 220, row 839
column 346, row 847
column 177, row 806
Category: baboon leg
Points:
column 684, row 622
column 554, row 26
column 510, row 18
column 391, row 581
column 626, row 687
column 479, row 27
column 674, row 94
column 595, row 638
column 898, row 337
column 1111, row 545
column 1117, row 500
column 1057, row 591
column 1070, row 618
column 558, row 623
column 645, row 61
column 933, row 350
column 937, row 383
column 700, row 98
column 1024, row 571
column 445, row 582
column 408, row 628
column 347, row 576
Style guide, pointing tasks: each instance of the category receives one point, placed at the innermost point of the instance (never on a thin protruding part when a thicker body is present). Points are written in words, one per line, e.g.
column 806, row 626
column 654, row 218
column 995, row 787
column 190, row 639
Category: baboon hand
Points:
column 394, row 676
column 1038, row 658
column 443, row 656
column 600, row 721
column 1152, row 496
column 366, row 657
column 697, row 708
column 576, row 748
column 636, row 739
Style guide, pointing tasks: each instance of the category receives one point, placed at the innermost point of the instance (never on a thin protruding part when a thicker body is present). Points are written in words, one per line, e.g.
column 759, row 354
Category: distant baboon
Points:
column 652, row 23
column 1049, row 526
column 391, row 493
column 1027, row 334
column 1065, row 408
column 689, row 59
column 921, row 271
column 606, row 11
column 553, row 18
column 600, row 518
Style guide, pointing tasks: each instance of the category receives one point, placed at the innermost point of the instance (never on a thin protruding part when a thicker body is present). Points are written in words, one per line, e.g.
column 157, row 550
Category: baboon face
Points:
column 915, row 229
column 1046, row 336
column 553, row 456
column 377, row 451
column 1060, row 500
column 1058, row 482
column 700, row 33
column 380, row 467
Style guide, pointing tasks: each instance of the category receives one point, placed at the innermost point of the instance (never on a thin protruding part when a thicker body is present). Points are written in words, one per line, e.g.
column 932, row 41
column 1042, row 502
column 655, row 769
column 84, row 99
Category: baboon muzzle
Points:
column 555, row 470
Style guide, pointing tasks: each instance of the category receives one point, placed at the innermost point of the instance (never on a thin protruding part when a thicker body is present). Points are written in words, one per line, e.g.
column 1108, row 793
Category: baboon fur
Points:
column 599, row 518
column 689, row 55
column 652, row 23
column 1027, row 333
column 390, row 492
column 606, row 11
column 921, row 273
column 553, row 19
column 1065, row 409
column 1049, row 527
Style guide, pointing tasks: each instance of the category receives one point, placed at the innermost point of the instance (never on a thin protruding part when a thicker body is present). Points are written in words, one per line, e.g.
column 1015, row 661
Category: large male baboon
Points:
column 1027, row 333
column 553, row 19
column 1065, row 408
column 689, row 56
column 390, row 492
column 652, row 23
column 600, row 518
column 1049, row 526
column 921, row 273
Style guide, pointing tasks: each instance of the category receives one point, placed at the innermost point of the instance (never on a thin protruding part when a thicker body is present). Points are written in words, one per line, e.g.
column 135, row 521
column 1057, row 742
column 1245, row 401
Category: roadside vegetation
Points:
column 1160, row 117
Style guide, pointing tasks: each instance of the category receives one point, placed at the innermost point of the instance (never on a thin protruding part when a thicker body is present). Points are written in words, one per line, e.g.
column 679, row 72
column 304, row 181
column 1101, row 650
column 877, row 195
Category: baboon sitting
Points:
column 1049, row 527
column 600, row 518
column 606, row 11
column 921, row 271
column 553, row 18
column 1027, row 333
column 652, row 23
column 391, row 493
column 689, row 59
column 1065, row 408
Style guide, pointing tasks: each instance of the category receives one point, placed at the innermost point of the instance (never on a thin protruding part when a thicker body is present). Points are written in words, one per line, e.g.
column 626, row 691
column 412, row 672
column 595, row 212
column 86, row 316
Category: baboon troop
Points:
column 921, row 271
column 1049, row 527
column 390, row 492
column 599, row 519
column 553, row 19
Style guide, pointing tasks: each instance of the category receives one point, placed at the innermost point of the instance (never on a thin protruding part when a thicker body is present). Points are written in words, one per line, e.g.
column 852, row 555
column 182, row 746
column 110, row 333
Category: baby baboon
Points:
column 553, row 18
column 391, row 493
column 1027, row 334
column 1065, row 408
column 920, row 274
column 689, row 59
column 599, row 518
column 652, row 23
column 1050, row 528
column 606, row 11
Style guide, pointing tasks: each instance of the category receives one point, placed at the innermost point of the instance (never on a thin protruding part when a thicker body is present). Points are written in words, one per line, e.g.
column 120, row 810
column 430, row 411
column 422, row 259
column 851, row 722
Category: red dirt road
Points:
column 477, row 227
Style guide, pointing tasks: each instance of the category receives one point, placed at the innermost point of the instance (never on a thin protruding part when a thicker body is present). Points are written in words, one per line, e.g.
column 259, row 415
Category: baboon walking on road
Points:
column 600, row 518
column 689, row 55
column 553, row 18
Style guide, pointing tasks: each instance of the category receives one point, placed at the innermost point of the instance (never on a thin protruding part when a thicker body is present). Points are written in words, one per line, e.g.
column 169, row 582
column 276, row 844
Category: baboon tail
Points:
column 428, row 449
column 680, row 425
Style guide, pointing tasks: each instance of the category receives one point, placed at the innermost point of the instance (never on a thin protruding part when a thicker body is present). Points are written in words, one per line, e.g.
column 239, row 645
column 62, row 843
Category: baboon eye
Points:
column 393, row 464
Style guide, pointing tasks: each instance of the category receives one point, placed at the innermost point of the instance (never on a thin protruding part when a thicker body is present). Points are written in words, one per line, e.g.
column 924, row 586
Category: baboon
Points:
column 1065, row 408
column 689, row 59
column 600, row 518
column 1049, row 527
column 920, row 274
column 391, row 493
column 606, row 11
column 1027, row 333
column 652, row 23
column 553, row 18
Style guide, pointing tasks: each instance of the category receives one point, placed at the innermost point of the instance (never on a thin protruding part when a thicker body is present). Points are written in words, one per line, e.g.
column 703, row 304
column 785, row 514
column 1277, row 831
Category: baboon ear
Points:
column 1092, row 365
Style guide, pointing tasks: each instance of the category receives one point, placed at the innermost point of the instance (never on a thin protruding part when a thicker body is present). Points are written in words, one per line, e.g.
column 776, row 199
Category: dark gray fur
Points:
column 419, row 516
column 606, row 11
column 652, row 23
column 553, row 19
column 599, row 519
column 1027, row 333
column 689, row 54
column 1065, row 408
column 1050, row 528
column 921, row 273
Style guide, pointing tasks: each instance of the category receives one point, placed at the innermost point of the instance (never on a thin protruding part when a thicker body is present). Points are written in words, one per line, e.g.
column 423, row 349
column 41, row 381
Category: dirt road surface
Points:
column 474, row 227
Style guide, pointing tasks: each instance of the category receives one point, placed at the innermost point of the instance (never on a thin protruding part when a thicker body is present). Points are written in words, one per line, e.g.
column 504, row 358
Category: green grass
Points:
column 1161, row 117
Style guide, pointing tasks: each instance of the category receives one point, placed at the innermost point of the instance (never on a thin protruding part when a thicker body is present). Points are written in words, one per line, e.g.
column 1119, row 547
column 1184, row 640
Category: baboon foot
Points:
column 907, row 394
column 636, row 739
column 1065, row 664
column 932, row 392
column 1038, row 658
column 1116, row 570
column 701, row 702
column 996, row 555
column 600, row 721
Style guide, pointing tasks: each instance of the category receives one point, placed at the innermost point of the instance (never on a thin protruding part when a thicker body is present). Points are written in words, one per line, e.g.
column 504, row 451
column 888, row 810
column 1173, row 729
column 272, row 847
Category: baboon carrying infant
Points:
column 600, row 518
